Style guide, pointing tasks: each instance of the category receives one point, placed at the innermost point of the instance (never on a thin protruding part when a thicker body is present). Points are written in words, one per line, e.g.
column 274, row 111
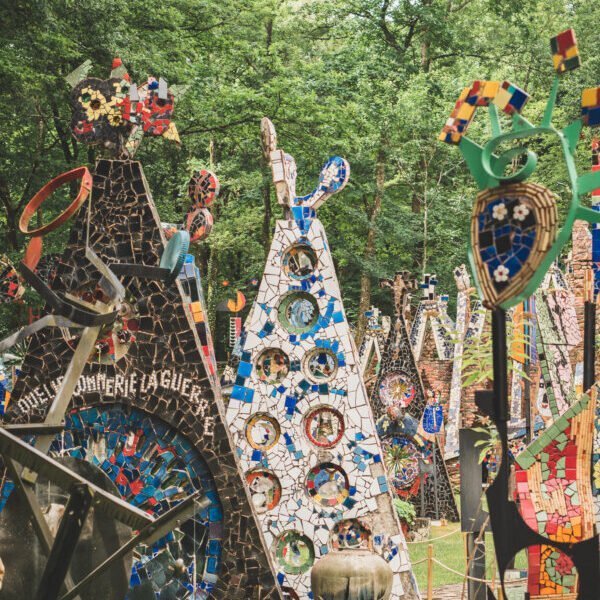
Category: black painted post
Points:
column 472, row 515
column 500, row 357
column 69, row 530
column 476, row 553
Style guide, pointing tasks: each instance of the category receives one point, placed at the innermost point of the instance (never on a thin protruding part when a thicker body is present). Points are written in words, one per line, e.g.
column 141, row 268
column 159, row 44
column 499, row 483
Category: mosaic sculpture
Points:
column 433, row 311
column 596, row 271
column 371, row 347
column 469, row 323
column 514, row 240
column 146, row 410
column 514, row 228
column 11, row 288
column 519, row 354
column 557, row 332
column 298, row 410
column 413, row 458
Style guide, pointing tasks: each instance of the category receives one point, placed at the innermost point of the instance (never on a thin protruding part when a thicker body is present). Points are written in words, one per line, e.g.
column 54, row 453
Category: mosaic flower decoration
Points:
column 515, row 233
column 402, row 462
column 116, row 113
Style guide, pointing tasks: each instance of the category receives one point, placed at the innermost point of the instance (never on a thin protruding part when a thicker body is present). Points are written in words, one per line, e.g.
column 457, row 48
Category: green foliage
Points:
column 489, row 444
column 478, row 364
column 405, row 510
column 371, row 80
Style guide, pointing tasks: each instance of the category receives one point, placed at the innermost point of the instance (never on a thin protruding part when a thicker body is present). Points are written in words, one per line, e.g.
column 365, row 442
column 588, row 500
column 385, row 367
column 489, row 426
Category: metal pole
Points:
column 435, row 482
column 69, row 530
column 500, row 364
column 476, row 555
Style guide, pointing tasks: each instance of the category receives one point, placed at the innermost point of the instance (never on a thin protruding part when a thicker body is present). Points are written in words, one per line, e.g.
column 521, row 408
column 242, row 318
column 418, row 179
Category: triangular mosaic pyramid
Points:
column 298, row 409
column 407, row 423
column 147, row 409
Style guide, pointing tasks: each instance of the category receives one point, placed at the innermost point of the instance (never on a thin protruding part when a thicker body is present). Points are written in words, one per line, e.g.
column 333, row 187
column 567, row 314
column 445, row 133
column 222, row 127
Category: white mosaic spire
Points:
column 432, row 309
column 298, row 410
column 463, row 284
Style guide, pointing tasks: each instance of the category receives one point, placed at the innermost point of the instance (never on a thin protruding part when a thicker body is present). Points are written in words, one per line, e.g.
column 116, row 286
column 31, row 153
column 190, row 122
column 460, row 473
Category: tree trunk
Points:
column 373, row 210
column 10, row 214
column 64, row 136
column 212, row 267
column 267, row 179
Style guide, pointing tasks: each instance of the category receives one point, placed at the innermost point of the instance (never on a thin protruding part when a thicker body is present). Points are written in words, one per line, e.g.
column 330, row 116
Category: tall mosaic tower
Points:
column 298, row 410
column 146, row 410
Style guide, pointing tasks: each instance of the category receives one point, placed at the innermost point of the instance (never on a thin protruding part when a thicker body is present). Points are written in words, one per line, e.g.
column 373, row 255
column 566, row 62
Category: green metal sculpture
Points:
column 514, row 229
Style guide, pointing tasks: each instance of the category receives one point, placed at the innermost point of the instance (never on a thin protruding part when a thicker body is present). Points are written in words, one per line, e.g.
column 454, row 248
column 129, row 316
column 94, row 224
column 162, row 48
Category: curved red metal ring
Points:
column 82, row 173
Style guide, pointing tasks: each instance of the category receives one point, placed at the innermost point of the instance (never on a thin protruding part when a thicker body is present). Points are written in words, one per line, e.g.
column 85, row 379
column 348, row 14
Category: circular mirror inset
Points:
column 299, row 261
column 262, row 431
column 397, row 390
column 295, row 552
column 350, row 533
column 298, row 312
column 401, row 458
column 265, row 489
column 327, row 484
column 324, row 427
column 272, row 365
column 320, row 364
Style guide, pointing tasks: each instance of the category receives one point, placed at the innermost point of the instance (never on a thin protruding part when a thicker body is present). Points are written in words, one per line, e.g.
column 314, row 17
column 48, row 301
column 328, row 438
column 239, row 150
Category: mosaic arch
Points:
column 154, row 467
column 327, row 458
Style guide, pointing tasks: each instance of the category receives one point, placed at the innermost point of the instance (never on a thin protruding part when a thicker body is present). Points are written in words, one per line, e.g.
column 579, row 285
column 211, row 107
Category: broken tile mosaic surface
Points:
column 298, row 365
column 512, row 228
column 371, row 347
column 565, row 54
column 116, row 113
column 10, row 283
column 167, row 375
column 596, row 227
column 469, row 322
column 555, row 496
column 432, row 311
column 154, row 468
column 431, row 492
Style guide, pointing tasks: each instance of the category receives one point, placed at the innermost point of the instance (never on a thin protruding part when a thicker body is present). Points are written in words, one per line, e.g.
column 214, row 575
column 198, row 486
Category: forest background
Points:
column 370, row 80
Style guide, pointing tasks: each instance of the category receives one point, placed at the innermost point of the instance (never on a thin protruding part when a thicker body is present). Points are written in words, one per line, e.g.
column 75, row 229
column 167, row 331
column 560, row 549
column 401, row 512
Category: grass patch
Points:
column 451, row 551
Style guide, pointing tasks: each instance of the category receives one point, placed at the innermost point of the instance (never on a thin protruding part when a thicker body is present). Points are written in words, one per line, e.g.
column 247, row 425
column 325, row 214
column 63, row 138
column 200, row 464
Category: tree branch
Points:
column 222, row 127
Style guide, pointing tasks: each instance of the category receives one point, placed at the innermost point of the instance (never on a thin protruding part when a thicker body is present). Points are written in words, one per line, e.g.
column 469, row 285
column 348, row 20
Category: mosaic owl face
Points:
column 98, row 112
